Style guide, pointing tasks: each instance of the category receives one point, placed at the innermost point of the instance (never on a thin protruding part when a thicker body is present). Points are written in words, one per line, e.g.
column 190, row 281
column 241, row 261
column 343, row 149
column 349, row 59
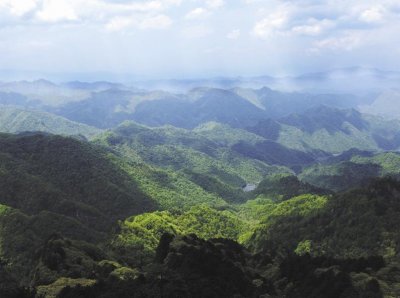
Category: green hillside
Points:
column 361, row 222
column 162, row 211
column 16, row 120
column 52, row 185
column 331, row 130
column 353, row 171
column 197, row 156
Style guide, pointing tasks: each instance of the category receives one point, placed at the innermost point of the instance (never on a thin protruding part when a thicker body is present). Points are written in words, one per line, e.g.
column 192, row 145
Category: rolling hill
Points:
column 17, row 120
column 331, row 130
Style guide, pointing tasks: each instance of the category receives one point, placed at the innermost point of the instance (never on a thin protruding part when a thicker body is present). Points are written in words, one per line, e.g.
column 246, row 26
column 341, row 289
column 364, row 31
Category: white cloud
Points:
column 197, row 13
column 119, row 23
column 198, row 31
column 372, row 15
column 18, row 7
column 213, row 4
column 271, row 24
column 56, row 11
column 348, row 42
column 156, row 22
column 234, row 34
column 351, row 30
column 313, row 27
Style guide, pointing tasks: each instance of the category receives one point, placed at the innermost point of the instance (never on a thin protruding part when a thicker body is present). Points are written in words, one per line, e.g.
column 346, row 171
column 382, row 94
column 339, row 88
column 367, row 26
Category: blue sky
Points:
column 197, row 38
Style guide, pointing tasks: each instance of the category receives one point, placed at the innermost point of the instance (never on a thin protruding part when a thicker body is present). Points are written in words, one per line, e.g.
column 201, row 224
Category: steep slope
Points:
column 67, row 177
column 69, row 195
column 55, row 185
column 15, row 120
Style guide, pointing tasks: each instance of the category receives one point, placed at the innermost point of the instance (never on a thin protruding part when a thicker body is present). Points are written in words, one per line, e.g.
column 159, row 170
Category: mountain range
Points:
column 108, row 190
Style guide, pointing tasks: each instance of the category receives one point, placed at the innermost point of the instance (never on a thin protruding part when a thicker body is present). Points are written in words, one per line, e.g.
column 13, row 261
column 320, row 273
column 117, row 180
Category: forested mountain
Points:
column 209, row 193
column 331, row 130
column 196, row 154
column 17, row 120
column 353, row 170
column 106, row 104
column 65, row 197
column 102, row 109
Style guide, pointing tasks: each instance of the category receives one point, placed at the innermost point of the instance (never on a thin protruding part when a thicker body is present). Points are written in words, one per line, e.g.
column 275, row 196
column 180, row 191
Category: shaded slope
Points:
column 68, row 177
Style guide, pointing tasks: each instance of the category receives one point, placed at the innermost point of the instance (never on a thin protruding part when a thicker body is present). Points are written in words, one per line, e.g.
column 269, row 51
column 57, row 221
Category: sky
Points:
column 196, row 38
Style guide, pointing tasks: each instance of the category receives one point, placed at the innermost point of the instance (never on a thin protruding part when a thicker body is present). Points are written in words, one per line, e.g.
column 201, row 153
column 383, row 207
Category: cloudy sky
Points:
column 197, row 38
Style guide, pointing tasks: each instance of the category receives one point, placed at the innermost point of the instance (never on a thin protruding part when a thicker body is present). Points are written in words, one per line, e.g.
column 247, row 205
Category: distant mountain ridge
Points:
column 332, row 130
column 17, row 120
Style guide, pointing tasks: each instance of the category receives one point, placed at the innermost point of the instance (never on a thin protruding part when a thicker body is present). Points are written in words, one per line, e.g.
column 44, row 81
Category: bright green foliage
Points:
column 262, row 212
column 125, row 273
column 171, row 190
column 142, row 233
column 304, row 247
column 256, row 209
column 302, row 206
column 52, row 290
column 4, row 209
column 210, row 223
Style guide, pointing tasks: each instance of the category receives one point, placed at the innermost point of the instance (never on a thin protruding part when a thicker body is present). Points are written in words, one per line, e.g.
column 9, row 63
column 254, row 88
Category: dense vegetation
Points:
column 231, row 204
column 140, row 235
column 197, row 155
column 351, row 169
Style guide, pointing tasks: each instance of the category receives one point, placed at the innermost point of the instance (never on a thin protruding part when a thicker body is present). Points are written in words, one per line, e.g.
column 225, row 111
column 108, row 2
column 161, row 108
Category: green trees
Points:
column 142, row 233
column 357, row 223
column 197, row 155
